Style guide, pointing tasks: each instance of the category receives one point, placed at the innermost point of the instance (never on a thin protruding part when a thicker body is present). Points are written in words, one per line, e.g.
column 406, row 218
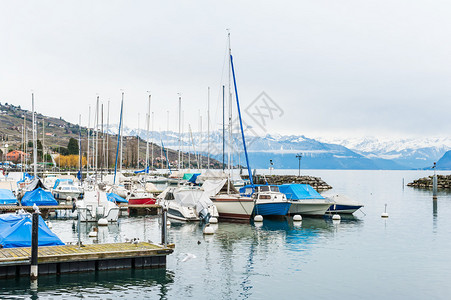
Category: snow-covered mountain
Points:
column 318, row 153
column 410, row 152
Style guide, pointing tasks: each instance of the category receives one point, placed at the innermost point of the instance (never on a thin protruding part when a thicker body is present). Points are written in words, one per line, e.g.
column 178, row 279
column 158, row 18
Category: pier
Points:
column 94, row 257
column 138, row 209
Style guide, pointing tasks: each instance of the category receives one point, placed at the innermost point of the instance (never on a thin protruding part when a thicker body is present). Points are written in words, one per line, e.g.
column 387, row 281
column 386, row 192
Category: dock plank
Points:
column 87, row 252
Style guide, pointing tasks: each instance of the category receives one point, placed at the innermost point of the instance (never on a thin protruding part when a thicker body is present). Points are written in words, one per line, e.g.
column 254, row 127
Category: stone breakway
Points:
column 443, row 182
column 316, row 182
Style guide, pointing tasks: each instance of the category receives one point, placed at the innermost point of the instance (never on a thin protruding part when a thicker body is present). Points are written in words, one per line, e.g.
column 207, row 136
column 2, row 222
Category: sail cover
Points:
column 38, row 197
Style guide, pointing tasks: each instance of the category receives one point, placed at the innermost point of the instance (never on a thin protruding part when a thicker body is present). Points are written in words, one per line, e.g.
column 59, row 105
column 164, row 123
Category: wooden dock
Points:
column 140, row 209
column 93, row 257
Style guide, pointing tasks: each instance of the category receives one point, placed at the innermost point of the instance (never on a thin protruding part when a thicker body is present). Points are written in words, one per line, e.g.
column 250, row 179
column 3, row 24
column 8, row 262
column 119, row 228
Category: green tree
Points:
column 72, row 147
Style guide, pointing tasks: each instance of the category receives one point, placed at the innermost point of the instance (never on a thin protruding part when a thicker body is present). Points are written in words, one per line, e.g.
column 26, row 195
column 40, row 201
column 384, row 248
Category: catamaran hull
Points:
column 308, row 208
column 234, row 209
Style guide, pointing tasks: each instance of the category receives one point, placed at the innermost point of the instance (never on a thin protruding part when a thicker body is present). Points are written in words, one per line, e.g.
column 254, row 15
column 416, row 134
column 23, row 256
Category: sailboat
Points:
column 228, row 201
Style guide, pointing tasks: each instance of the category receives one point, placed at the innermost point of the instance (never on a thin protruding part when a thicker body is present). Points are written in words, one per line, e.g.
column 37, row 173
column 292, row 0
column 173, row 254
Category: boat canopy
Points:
column 38, row 197
column 35, row 184
column 115, row 198
column 7, row 197
column 15, row 231
column 214, row 187
column 299, row 191
column 59, row 181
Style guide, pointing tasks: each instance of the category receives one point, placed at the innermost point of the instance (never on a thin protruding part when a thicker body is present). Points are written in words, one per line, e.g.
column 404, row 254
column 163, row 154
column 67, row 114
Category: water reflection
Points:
column 130, row 283
column 434, row 215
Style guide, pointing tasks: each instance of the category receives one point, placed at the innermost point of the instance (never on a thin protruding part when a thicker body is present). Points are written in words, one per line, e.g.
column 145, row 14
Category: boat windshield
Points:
column 264, row 188
column 274, row 188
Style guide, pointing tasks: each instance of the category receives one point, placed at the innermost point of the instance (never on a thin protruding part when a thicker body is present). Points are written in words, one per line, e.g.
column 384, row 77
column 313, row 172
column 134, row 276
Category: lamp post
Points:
column 299, row 156
column 270, row 167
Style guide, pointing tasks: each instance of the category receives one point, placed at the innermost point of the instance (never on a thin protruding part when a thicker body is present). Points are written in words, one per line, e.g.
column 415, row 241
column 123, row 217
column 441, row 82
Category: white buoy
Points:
column 68, row 198
column 385, row 214
column 208, row 230
column 258, row 218
column 102, row 222
column 93, row 233
column 168, row 223
column 336, row 217
column 297, row 218
column 213, row 220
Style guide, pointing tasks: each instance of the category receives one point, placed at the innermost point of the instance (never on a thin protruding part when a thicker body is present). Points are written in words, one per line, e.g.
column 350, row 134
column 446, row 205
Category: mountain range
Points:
column 282, row 151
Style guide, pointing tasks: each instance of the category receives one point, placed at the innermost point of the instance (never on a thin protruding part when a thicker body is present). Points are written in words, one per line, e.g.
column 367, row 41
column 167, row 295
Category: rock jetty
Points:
column 443, row 182
column 316, row 182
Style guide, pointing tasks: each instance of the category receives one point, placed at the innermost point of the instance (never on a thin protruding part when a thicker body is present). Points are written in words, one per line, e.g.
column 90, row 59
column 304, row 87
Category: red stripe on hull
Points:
column 139, row 201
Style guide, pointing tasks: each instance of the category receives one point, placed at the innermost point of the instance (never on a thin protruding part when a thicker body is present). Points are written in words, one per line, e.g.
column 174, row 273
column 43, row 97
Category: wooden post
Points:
column 164, row 220
column 434, row 183
column 34, row 247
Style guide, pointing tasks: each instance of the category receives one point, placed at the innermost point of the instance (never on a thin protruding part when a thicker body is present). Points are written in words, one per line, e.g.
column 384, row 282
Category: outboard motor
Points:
column 204, row 216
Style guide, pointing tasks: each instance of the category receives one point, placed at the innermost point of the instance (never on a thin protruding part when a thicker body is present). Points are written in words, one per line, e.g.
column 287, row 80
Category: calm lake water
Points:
column 407, row 256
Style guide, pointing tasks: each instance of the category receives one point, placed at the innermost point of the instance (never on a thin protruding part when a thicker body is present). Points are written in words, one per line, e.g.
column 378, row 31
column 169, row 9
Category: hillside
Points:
column 56, row 132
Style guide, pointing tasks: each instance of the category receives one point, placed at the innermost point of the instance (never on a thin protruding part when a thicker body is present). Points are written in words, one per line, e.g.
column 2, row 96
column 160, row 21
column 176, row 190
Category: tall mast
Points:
column 147, row 135
column 80, row 159
column 35, row 151
column 223, row 128
column 96, row 145
column 107, row 135
column 167, row 134
column 208, row 130
column 230, row 115
column 183, row 121
column 151, row 136
column 121, row 125
column 43, row 152
column 137, row 143
column 180, row 123
column 118, row 139
column 89, row 133
column 103, row 141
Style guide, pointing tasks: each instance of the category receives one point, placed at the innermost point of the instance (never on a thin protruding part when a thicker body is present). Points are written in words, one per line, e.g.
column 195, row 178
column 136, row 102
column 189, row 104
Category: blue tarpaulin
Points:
column 58, row 181
column 38, row 197
column 115, row 198
column 299, row 191
column 18, row 233
column 193, row 177
column 146, row 170
column 7, row 197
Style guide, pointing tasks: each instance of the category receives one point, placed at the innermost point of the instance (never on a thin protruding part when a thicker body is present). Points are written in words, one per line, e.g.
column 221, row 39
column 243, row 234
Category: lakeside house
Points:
column 16, row 155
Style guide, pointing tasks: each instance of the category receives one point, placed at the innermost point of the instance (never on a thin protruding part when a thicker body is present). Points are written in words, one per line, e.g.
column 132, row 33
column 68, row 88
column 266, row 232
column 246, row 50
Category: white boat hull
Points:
column 309, row 208
column 232, row 207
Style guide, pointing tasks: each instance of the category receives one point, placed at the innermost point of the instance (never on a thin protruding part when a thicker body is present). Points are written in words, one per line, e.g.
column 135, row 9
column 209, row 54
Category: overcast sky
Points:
column 335, row 68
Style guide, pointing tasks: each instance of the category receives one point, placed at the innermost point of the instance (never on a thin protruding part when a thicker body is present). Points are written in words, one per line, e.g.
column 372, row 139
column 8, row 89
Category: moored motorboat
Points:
column 305, row 200
column 187, row 203
column 343, row 205
column 269, row 201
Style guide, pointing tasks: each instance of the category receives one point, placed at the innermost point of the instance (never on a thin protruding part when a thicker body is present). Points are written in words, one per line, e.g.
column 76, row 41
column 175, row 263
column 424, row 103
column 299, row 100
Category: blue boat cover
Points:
column 16, row 232
column 299, row 191
column 146, row 170
column 193, row 177
column 6, row 220
column 115, row 198
column 38, row 197
column 58, row 181
column 7, row 197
